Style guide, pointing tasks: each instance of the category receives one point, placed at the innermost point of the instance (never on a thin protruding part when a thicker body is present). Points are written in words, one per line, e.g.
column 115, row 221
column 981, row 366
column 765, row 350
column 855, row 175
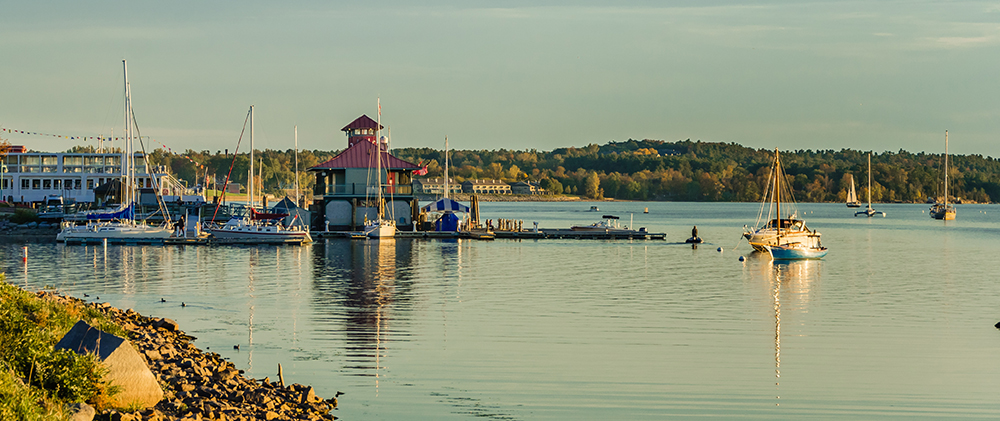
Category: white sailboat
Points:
column 944, row 211
column 852, row 196
column 782, row 237
column 120, row 226
column 258, row 226
column 869, row 212
column 380, row 227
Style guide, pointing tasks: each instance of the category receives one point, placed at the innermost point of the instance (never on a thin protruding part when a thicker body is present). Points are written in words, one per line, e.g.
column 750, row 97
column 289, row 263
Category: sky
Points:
column 868, row 75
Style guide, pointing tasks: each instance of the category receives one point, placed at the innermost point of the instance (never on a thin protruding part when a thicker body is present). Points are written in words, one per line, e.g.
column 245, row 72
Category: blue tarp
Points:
column 445, row 205
column 125, row 212
column 447, row 222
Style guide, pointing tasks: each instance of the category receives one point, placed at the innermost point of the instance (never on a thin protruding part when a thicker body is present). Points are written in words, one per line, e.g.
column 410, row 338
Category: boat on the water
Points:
column 257, row 226
column 594, row 209
column 380, row 227
column 120, row 225
column 869, row 212
column 944, row 211
column 852, row 196
column 608, row 224
column 796, row 251
column 778, row 232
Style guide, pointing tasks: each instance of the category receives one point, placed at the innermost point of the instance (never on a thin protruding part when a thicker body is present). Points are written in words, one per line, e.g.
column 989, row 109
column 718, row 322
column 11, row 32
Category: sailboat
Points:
column 258, row 226
column 869, row 212
column 944, row 211
column 380, row 227
column 852, row 196
column 783, row 238
column 119, row 225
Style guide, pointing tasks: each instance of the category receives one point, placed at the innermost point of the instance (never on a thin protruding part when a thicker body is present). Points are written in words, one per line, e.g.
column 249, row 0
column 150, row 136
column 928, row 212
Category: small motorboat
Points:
column 594, row 209
column 608, row 224
column 693, row 240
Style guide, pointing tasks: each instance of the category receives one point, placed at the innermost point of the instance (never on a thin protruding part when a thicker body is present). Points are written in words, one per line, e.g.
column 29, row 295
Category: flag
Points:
column 422, row 171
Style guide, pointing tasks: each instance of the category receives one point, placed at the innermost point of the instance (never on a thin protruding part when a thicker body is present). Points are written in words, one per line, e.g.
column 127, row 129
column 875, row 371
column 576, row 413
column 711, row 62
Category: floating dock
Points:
column 524, row 234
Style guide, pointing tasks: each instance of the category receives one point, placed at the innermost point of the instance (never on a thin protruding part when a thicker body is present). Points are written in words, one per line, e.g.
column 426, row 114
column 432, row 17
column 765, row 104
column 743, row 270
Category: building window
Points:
column 47, row 184
column 90, row 184
column 76, row 184
column 69, row 183
column 36, row 184
column 25, row 183
column 57, row 184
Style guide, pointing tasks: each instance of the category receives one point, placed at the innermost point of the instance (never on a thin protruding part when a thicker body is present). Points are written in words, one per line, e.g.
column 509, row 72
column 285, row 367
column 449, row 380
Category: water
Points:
column 896, row 322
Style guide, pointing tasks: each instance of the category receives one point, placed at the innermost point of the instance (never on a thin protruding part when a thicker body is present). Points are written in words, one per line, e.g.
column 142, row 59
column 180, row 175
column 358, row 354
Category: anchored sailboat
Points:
column 783, row 238
column 944, row 211
column 258, row 226
column 869, row 212
column 380, row 227
column 120, row 225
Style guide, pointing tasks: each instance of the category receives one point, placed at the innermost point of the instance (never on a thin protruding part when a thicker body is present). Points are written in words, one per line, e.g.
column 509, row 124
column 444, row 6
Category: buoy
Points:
column 719, row 250
column 997, row 325
column 25, row 258
column 742, row 258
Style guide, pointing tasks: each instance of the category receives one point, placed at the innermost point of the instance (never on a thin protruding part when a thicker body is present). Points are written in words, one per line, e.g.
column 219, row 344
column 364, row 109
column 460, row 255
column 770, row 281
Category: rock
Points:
column 126, row 368
column 308, row 395
column 81, row 412
column 270, row 415
column 152, row 355
column 167, row 324
column 32, row 224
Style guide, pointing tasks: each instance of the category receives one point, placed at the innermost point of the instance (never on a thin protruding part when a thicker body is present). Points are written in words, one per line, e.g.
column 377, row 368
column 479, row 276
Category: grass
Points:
column 36, row 381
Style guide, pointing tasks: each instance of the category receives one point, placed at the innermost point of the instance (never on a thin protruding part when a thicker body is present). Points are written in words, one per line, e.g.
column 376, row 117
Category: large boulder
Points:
column 126, row 368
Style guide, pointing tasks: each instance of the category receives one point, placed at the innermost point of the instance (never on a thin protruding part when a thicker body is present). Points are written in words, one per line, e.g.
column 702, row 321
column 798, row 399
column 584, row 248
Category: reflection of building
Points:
column 435, row 186
column 343, row 196
column 485, row 187
column 358, row 285
column 31, row 176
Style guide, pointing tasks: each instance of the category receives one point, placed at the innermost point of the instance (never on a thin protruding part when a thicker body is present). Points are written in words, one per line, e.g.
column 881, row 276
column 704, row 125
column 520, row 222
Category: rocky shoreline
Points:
column 201, row 385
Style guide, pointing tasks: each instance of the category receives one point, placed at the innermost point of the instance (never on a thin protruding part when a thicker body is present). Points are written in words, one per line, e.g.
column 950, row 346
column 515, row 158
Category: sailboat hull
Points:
column 113, row 232
column 796, row 252
column 380, row 230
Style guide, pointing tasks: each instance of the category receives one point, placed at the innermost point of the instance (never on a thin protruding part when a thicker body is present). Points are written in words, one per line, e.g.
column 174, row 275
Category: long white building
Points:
column 31, row 176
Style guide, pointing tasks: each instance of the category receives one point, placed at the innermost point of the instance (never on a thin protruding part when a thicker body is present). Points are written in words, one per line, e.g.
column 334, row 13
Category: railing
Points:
column 356, row 189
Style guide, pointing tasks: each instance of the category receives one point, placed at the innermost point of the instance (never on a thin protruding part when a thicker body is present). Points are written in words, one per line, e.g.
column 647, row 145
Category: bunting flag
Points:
column 99, row 138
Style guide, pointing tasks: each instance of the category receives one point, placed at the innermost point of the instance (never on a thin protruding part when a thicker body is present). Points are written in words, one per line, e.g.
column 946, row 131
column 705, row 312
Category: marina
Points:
column 538, row 329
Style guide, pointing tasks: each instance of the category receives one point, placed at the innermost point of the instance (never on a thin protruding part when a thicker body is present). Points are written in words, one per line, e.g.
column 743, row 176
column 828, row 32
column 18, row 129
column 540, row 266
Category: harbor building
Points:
column 345, row 196
column 485, row 187
column 31, row 177
column 435, row 186
column 525, row 187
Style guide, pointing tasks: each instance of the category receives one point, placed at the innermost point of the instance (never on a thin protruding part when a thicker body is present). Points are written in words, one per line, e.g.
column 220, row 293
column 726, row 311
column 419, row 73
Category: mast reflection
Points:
column 360, row 285
column 790, row 286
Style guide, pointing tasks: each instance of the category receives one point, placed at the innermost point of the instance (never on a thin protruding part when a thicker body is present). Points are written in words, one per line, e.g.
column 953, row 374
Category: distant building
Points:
column 524, row 187
column 234, row 188
column 342, row 197
column 485, row 187
column 435, row 186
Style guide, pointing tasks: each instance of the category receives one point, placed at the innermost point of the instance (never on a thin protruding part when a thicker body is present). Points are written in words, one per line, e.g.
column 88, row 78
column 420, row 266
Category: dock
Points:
column 508, row 235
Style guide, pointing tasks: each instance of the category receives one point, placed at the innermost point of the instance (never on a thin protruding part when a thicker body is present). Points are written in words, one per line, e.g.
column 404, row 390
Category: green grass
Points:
column 36, row 380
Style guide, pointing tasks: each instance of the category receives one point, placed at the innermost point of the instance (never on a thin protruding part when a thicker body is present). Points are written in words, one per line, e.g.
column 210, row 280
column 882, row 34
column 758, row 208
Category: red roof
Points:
column 363, row 122
column 359, row 156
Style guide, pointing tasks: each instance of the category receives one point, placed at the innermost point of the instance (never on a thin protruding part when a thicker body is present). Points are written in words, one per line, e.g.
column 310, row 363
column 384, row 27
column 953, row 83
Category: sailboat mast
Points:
column 296, row 165
column 446, row 167
column 250, row 182
column 777, row 188
column 946, row 171
column 126, row 163
column 378, row 160
column 869, row 179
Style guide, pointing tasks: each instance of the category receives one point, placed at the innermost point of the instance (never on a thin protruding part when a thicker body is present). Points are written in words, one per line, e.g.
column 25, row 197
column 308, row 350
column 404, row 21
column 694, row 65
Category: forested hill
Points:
column 656, row 170
column 700, row 171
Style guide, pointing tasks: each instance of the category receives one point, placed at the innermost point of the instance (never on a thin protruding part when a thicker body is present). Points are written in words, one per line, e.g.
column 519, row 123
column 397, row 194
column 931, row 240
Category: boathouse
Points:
column 345, row 195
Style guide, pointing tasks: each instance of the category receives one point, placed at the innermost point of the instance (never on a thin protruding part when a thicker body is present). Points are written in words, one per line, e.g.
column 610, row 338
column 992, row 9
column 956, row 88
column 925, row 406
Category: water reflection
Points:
column 359, row 286
column 790, row 285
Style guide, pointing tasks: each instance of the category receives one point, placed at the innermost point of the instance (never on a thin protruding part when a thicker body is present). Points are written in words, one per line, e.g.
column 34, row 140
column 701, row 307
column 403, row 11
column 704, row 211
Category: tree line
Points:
column 645, row 170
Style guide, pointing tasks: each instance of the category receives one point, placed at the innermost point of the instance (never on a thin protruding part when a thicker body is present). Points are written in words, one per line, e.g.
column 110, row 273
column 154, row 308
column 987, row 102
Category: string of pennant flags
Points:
column 99, row 138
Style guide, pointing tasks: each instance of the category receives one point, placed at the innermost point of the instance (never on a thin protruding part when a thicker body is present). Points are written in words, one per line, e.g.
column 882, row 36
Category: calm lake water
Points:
column 896, row 322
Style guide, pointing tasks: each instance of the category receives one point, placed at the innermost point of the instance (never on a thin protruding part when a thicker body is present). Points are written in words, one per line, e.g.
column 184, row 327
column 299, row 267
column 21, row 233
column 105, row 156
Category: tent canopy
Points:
column 445, row 204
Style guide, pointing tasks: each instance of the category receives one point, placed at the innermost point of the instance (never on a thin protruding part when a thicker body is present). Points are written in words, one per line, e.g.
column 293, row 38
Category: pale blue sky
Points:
column 516, row 75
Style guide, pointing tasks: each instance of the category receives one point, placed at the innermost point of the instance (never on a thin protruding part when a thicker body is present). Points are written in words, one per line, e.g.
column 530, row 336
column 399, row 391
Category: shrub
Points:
column 22, row 216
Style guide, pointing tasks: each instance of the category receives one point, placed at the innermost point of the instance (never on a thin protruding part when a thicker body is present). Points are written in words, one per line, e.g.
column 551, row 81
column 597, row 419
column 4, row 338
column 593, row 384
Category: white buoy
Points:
column 25, row 258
